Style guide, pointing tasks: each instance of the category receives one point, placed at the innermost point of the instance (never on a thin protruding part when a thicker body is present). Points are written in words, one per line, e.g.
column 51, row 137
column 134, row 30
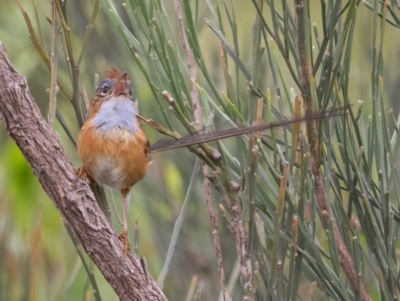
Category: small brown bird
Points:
column 115, row 150
column 112, row 146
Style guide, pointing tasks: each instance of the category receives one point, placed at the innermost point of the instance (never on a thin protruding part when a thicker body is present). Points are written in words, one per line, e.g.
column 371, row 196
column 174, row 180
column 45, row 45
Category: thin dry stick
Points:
column 216, row 238
column 85, row 98
column 198, row 111
column 39, row 47
column 77, row 205
column 345, row 259
column 53, row 67
column 198, row 115
column 240, row 233
column 237, row 227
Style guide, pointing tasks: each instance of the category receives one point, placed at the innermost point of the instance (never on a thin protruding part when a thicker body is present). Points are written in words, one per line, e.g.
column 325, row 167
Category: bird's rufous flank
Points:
column 111, row 144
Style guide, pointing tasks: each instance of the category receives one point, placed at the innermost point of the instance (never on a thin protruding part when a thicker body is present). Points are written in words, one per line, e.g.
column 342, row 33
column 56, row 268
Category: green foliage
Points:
column 261, row 69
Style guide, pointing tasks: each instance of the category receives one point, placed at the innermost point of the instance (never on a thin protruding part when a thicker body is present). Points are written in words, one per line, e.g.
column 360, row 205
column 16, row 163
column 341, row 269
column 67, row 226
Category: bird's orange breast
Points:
column 118, row 158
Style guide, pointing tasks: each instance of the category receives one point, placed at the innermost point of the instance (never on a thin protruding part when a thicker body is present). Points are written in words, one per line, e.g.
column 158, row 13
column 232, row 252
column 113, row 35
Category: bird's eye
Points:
column 104, row 88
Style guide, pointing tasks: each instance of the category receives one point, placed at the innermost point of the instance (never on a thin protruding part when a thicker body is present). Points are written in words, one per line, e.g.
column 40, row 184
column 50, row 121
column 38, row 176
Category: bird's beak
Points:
column 122, row 86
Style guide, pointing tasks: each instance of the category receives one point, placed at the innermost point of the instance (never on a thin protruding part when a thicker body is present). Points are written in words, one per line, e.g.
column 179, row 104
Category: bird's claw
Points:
column 81, row 173
column 125, row 240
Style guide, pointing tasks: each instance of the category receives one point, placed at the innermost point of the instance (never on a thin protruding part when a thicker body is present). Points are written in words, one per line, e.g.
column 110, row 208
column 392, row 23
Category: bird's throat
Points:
column 116, row 114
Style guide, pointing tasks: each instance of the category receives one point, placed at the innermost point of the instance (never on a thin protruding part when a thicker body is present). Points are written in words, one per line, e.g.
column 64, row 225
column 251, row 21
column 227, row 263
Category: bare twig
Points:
column 198, row 111
column 345, row 259
column 237, row 226
column 85, row 98
column 72, row 65
column 89, row 30
column 198, row 115
column 53, row 67
column 41, row 147
column 240, row 233
column 216, row 238
column 40, row 48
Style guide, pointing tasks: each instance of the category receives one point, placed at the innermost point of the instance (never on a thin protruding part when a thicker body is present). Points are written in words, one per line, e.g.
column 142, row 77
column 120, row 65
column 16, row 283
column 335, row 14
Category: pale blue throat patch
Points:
column 115, row 114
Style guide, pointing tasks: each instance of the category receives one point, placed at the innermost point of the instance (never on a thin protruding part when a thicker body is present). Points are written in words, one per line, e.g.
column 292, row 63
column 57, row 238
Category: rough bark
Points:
column 76, row 203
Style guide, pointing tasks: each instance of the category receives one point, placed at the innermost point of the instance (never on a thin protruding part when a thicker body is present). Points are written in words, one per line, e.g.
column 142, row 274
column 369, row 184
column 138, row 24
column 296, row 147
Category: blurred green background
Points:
column 37, row 258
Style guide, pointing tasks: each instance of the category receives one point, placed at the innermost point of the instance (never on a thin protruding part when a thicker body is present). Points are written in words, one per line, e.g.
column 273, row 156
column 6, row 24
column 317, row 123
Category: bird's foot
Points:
column 81, row 173
column 125, row 240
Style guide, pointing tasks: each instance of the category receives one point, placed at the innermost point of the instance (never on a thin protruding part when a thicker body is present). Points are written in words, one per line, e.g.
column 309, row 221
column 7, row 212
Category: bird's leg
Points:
column 124, row 235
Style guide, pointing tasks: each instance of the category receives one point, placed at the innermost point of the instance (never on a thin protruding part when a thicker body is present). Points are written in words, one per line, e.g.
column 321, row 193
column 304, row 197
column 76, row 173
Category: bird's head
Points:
column 116, row 85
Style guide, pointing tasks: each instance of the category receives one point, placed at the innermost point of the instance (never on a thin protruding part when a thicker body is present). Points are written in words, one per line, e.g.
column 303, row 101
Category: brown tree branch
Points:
column 41, row 147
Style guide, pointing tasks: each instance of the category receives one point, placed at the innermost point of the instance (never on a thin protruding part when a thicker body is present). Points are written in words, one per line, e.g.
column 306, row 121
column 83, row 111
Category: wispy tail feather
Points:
column 195, row 139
